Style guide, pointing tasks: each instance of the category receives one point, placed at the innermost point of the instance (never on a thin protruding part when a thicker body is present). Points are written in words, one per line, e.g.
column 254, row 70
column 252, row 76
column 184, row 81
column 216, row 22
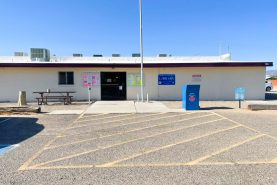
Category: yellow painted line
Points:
column 30, row 160
column 237, row 163
column 82, row 115
column 151, row 165
column 109, row 117
column 94, row 115
column 249, row 128
column 182, row 164
column 274, row 160
column 224, row 150
column 165, row 147
column 112, row 121
column 60, row 167
column 131, row 123
column 161, row 165
column 115, row 145
column 139, row 129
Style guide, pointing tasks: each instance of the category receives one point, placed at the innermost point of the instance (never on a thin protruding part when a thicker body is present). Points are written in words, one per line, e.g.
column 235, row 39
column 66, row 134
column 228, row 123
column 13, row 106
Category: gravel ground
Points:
column 53, row 106
column 224, row 146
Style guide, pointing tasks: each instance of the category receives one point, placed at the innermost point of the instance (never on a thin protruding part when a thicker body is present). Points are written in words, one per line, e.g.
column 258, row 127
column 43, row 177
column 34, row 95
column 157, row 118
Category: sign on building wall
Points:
column 133, row 79
column 166, row 79
column 91, row 79
column 196, row 78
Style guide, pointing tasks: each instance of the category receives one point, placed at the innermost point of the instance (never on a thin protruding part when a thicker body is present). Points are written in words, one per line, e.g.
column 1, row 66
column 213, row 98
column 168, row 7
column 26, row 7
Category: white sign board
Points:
column 196, row 78
column 91, row 79
column 133, row 79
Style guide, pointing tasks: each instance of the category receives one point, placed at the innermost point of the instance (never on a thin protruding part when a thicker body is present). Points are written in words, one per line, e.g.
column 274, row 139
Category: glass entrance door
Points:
column 113, row 85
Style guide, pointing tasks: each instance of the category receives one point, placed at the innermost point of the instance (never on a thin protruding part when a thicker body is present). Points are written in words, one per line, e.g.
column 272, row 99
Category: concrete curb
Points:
column 254, row 107
column 20, row 110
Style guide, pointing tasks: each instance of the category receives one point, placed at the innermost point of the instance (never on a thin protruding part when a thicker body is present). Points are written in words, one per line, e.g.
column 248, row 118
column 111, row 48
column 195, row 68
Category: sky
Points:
column 246, row 28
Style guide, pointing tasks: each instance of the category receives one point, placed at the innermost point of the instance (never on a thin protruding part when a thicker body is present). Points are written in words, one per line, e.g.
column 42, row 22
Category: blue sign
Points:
column 166, row 79
column 240, row 93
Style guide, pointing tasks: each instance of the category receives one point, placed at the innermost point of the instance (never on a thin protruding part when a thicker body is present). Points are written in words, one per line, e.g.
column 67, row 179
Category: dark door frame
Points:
column 116, row 88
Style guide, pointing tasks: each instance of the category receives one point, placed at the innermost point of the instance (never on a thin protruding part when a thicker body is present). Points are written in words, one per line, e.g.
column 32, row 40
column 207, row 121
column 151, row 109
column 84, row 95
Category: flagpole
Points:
column 141, row 52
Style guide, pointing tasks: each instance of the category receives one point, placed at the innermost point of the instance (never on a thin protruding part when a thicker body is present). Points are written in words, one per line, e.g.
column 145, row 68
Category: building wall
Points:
column 216, row 83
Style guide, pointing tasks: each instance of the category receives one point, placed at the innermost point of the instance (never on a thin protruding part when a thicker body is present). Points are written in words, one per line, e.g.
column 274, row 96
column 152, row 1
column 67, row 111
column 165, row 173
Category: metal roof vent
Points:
column 115, row 55
column 77, row 55
column 162, row 55
column 97, row 55
column 20, row 54
column 136, row 55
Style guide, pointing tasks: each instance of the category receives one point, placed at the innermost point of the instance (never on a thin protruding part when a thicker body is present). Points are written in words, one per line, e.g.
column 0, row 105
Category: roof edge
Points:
column 137, row 65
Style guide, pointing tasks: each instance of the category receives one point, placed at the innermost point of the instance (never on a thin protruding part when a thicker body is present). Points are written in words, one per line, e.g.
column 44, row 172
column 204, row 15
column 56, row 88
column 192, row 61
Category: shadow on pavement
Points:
column 16, row 130
column 216, row 108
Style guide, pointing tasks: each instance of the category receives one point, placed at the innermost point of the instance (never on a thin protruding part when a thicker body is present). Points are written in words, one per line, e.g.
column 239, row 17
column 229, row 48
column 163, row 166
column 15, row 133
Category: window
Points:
column 66, row 78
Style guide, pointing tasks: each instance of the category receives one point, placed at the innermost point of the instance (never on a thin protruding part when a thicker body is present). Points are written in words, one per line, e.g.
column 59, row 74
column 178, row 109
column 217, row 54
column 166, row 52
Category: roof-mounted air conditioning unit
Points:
column 115, row 55
column 97, row 55
column 136, row 55
column 162, row 55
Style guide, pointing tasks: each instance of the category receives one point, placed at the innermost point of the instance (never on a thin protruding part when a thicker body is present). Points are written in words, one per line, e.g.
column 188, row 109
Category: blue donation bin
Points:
column 191, row 97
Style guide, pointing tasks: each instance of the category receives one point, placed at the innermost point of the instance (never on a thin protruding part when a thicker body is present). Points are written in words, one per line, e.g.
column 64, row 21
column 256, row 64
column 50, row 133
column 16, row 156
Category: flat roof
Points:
column 146, row 65
column 131, row 62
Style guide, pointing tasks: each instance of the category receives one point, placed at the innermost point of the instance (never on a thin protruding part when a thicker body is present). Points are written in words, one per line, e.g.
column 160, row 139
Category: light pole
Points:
column 141, row 51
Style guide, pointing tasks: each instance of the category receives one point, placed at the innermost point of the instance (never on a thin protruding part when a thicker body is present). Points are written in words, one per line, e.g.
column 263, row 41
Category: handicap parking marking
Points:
column 152, row 117
column 123, row 143
column 132, row 123
column 140, row 129
column 165, row 147
column 249, row 128
column 26, row 165
column 5, row 148
column 111, row 120
column 120, row 162
column 224, row 149
column 97, row 118
column 131, row 130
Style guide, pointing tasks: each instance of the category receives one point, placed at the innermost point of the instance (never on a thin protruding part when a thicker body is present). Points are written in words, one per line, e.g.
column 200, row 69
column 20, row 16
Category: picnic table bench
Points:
column 54, row 95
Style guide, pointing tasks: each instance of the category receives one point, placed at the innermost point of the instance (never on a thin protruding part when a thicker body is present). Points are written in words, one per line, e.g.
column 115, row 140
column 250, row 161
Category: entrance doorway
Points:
column 113, row 86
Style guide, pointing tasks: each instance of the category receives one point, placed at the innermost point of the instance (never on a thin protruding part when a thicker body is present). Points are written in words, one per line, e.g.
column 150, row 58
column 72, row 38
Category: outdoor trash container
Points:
column 191, row 97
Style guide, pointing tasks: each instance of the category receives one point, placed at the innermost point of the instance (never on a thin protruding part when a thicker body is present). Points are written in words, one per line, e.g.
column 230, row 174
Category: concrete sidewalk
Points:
column 128, row 107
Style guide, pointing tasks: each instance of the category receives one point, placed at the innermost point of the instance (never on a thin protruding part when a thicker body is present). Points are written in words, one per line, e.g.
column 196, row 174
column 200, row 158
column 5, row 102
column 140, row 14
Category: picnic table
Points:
column 56, row 95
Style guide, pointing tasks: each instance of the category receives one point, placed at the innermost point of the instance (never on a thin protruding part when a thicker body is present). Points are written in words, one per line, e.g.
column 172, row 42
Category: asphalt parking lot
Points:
column 202, row 147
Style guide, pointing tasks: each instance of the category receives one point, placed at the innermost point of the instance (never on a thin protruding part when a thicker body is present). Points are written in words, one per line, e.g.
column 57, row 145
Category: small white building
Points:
column 118, row 78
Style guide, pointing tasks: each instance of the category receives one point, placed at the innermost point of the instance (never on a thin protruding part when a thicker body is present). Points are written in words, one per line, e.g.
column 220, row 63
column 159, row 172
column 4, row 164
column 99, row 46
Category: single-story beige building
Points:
column 118, row 78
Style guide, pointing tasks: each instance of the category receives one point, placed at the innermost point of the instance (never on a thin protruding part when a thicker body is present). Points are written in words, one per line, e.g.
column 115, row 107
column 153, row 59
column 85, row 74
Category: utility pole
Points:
column 141, row 52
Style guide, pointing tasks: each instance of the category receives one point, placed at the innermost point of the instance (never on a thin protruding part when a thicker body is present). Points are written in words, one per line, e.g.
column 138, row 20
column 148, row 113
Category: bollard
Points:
column 137, row 97
column 22, row 98
column 147, row 98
